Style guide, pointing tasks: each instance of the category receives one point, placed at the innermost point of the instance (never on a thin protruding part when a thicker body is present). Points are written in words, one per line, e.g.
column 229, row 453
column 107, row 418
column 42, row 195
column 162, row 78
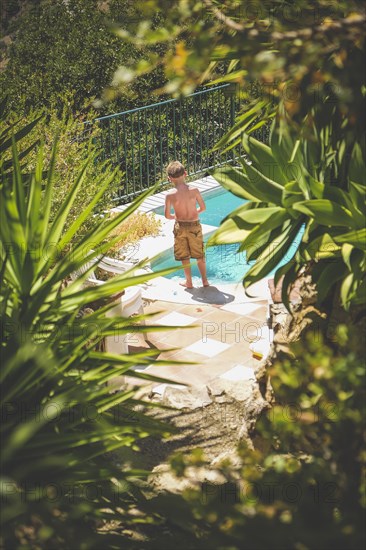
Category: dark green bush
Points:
column 67, row 51
column 76, row 142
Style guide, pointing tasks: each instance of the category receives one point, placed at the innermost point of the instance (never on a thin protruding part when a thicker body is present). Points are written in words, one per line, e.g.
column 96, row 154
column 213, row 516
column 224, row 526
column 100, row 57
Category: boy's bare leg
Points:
column 188, row 274
column 202, row 267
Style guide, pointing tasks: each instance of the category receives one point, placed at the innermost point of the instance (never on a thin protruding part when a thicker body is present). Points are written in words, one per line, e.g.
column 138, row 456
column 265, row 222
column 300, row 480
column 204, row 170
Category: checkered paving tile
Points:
column 176, row 319
column 242, row 309
column 220, row 354
column 208, row 348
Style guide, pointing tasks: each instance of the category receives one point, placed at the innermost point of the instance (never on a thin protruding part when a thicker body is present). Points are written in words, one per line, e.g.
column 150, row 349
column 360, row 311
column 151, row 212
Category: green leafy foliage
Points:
column 289, row 188
column 77, row 141
column 66, row 53
column 61, row 413
column 294, row 55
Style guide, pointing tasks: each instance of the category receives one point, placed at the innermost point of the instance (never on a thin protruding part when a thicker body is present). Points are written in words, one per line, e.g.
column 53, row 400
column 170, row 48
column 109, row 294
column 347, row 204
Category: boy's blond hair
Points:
column 175, row 169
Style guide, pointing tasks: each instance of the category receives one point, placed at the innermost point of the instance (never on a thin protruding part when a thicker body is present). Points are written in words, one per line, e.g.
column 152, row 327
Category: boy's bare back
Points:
column 184, row 202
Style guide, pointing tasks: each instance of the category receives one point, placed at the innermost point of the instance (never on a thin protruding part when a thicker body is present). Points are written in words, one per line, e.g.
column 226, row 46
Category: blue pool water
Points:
column 224, row 263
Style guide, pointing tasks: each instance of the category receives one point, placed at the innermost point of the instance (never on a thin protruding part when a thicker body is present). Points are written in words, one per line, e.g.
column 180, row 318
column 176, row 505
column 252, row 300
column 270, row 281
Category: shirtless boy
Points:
column 188, row 240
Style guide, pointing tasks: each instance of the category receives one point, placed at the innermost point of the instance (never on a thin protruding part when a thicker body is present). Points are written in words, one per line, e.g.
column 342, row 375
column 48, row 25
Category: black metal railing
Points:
column 144, row 140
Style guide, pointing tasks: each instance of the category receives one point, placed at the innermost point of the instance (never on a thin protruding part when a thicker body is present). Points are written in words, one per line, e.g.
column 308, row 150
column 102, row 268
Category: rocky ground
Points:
column 213, row 418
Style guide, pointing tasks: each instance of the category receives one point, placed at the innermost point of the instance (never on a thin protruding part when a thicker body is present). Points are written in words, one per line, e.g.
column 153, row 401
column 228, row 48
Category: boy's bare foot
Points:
column 205, row 283
column 186, row 285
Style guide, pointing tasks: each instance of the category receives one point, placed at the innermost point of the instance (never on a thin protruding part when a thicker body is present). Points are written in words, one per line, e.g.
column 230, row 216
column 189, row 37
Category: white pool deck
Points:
column 225, row 295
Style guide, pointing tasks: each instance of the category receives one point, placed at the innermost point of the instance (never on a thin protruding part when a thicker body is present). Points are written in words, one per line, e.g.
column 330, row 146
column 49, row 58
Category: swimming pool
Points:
column 224, row 263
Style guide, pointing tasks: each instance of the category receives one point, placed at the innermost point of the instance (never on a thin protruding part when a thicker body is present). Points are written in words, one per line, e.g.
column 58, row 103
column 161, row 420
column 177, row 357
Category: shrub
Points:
column 77, row 142
column 60, row 417
column 290, row 186
column 68, row 50
column 133, row 229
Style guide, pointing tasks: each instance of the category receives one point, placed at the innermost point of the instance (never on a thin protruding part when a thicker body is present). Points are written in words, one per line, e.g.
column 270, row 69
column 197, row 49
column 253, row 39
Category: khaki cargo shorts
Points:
column 188, row 240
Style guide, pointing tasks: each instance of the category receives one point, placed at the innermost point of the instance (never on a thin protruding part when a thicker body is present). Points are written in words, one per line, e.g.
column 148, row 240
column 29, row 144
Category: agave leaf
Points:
column 8, row 164
column 358, row 195
column 55, row 231
column 281, row 271
column 249, row 205
column 231, row 231
column 231, row 76
column 330, row 274
column 323, row 248
column 288, row 154
column 12, row 232
column 288, row 280
column 34, row 201
column 316, row 187
column 292, row 194
column 357, row 164
column 356, row 238
column 326, row 212
column 359, row 295
column 10, row 273
column 118, row 398
column 233, row 137
column 24, row 433
column 18, row 187
column 112, row 286
column 344, row 199
column 274, row 221
column 261, row 156
column 220, row 53
column 236, row 181
column 347, row 289
column 80, row 251
column 347, row 250
column 282, row 144
column 271, row 256
column 85, row 213
column 259, row 215
column 47, row 200
column 262, row 187
column 256, row 126
column 243, row 123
